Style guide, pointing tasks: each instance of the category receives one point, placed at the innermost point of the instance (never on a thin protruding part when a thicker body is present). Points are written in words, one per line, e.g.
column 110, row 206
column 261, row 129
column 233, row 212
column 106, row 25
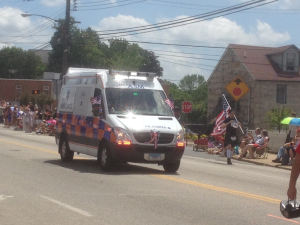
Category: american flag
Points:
column 97, row 100
column 218, row 130
column 170, row 103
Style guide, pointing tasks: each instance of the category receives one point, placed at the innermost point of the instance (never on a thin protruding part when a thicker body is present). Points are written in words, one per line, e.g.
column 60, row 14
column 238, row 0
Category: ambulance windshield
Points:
column 137, row 101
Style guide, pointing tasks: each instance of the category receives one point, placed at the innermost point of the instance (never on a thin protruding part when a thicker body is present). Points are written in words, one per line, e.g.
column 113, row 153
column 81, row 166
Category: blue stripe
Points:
column 90, row 121
column 101, row 125
column 107, row 135
column 82, row 131
column 95, row 133
column 73, row 128
column 69, row 118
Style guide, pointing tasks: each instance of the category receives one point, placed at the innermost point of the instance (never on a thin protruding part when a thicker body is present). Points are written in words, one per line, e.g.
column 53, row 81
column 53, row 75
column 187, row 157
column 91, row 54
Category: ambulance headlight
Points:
column 180, row 135
column 122, row 134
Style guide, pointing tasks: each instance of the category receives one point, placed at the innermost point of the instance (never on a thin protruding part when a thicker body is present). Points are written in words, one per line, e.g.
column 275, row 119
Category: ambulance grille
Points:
column 146, row 137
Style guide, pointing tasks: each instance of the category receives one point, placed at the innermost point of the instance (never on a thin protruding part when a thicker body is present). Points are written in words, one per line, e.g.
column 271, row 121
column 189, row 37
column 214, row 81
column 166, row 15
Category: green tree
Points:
column 192, row 88
column 86, row 49
column 274, row 117
column 192, row 82
column 150, row 63
column 16, row 63
column 124, row 56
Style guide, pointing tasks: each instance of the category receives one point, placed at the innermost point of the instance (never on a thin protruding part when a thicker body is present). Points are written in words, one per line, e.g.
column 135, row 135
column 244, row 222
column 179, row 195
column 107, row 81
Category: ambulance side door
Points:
column 81, row 106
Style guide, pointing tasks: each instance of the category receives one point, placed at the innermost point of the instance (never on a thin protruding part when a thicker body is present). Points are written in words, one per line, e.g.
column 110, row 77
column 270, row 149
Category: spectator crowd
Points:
column 28, row 118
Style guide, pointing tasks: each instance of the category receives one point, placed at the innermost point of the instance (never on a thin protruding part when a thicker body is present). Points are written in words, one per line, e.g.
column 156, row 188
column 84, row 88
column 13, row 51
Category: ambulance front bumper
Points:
column 146, row 154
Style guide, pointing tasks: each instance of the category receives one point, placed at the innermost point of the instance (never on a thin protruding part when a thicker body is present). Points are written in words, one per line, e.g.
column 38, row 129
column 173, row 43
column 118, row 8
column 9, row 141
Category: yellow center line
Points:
column 220, row 189
column 189, row 182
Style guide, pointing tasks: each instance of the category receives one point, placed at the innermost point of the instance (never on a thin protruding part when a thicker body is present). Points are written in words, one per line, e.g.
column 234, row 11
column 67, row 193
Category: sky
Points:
column 271, row 25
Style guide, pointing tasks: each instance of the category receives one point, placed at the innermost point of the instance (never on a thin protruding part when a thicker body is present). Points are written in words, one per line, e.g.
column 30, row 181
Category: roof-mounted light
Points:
column 130, row 73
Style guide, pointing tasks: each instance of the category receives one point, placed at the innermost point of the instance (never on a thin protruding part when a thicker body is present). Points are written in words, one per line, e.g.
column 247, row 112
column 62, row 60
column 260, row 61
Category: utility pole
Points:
column 65, row 63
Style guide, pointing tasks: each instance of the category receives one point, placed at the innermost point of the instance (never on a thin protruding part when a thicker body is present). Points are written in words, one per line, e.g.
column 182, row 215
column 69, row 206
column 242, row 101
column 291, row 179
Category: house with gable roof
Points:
column 272, row 75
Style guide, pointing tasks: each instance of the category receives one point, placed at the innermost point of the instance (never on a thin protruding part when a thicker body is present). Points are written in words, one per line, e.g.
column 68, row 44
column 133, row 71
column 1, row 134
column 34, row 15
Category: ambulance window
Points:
column 137, row 101
column 97, row 104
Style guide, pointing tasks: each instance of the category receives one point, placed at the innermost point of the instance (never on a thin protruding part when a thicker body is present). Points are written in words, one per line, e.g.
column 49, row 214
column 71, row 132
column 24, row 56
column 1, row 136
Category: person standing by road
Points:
column 8, row 115
column 292, row 130
column 292, row 191
column 231, row 140
column 1, row 111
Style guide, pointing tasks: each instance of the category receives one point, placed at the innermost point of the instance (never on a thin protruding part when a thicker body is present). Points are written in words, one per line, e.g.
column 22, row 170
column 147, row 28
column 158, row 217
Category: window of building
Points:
column 291, row 61
column 281, row 94
column 18, row 92
column 46, row 89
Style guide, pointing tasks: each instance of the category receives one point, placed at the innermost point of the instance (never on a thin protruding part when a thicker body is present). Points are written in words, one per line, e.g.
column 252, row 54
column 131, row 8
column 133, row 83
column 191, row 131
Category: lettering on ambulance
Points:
column 136, row 86
column 158, row 127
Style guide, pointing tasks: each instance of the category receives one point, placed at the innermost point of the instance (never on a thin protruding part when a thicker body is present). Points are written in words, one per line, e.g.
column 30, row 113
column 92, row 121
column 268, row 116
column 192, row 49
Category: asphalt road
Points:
column 36, row 187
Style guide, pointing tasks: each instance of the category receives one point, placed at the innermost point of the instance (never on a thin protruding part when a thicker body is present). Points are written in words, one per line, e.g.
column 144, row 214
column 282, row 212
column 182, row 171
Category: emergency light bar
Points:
column 129, row 73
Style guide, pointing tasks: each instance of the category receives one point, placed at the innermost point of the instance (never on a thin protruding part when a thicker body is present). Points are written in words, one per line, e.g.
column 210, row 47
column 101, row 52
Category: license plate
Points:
column 155, row 157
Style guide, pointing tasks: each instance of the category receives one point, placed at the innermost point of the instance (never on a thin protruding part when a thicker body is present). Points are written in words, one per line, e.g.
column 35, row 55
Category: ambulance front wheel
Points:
column 104, row 157
column 171, row 167
column 66, row 154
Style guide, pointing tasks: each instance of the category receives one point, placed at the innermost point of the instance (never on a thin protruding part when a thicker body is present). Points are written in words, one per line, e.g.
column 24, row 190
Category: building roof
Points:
column 257, row 61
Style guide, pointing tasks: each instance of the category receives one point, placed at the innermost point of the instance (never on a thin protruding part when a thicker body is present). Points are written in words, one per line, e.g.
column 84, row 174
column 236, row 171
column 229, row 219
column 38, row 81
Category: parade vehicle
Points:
column 118, row 117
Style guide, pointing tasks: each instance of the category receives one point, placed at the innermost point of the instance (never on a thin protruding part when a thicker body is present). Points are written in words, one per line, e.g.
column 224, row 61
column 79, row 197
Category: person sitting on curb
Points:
column 250, row 138
column 290, row 147
column 259, row 144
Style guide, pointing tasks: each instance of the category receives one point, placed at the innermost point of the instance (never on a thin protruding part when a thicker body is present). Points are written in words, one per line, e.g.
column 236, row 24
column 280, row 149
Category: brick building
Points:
column 12, row 89
column 272, row 74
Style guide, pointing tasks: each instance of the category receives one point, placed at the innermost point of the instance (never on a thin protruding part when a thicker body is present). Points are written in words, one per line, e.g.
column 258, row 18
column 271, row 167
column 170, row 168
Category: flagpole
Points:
column 234, row 115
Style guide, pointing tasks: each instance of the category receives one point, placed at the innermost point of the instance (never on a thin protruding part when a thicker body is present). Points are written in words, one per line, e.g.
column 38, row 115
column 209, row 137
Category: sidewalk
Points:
column 264, row 162
column 257, row 161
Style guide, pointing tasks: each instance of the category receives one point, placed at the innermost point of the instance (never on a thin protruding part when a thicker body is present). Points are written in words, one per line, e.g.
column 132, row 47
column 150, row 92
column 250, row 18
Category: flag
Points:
column 96, row 100
column 170, row 103
column 218, row 130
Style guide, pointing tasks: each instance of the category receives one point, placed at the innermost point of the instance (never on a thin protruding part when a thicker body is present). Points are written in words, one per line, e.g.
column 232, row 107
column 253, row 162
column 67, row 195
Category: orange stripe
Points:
column 113, row 137
column 89, row 132
column 68, row 128
column 77, row 131
column 59, row 127
column 100, row 134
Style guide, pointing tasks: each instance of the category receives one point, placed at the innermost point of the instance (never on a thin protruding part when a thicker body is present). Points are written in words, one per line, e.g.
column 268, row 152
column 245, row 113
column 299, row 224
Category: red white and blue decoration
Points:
column 154, row 138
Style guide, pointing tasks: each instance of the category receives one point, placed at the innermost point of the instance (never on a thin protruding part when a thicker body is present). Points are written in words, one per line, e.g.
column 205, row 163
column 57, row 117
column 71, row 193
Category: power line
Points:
column 111, row 6
column 185, row 65
column 184, row 20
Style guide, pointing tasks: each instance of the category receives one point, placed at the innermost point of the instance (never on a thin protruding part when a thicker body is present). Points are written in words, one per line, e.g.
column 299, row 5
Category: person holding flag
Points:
column 231, row 124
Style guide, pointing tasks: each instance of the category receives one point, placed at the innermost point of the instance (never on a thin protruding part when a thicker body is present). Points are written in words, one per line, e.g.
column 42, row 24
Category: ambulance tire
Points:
column 66, row 154
column 171, row 167
column 104, row 157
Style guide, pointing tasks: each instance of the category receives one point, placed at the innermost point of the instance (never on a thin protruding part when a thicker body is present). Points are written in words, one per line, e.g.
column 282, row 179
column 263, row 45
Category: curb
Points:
column 264, row 164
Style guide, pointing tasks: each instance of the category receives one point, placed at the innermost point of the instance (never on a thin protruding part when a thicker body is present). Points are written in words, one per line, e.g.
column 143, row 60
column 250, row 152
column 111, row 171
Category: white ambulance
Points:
column 118, row 117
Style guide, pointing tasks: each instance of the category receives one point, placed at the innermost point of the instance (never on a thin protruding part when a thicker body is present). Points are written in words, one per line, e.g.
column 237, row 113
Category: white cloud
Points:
column 217, row 32
column 15, row 30
column 289, row 4
column 53, row 2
